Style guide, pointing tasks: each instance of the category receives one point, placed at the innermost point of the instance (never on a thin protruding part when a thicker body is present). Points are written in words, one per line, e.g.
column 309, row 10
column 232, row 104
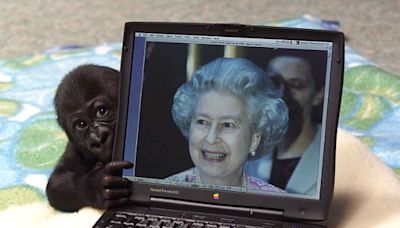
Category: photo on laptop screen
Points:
column 228, row 113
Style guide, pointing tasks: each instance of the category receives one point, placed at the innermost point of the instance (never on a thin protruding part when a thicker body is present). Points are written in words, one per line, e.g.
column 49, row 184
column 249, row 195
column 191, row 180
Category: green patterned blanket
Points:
column 31, row 141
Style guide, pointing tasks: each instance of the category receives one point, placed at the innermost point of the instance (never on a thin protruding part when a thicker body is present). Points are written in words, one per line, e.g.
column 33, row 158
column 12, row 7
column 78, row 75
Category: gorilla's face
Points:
column 91, row 128
column 86, row 104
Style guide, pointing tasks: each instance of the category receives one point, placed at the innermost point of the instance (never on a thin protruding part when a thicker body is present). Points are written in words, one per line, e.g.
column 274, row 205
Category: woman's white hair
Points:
column 240, row 77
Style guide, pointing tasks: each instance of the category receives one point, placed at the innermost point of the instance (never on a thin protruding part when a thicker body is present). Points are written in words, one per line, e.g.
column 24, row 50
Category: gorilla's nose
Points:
column 98, row 137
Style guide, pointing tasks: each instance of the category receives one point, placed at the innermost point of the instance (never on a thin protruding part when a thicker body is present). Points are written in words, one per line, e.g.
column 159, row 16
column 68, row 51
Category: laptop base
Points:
column 138, row 216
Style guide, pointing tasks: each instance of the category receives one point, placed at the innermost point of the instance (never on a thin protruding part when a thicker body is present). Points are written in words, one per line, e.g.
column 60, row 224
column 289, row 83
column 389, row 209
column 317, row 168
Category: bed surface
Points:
column 31, row 141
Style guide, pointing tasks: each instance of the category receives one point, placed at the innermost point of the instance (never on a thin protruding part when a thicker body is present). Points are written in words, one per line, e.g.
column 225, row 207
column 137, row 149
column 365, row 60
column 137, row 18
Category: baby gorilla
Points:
column 86, row 106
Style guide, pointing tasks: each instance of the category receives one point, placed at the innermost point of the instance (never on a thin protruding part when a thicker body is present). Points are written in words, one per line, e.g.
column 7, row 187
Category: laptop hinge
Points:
column 256, row 212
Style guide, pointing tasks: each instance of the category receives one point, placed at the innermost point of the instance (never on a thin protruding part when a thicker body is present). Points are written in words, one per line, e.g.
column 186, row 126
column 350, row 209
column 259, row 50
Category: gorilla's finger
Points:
column 115, row 182
column 116, row 166
column 111, row 194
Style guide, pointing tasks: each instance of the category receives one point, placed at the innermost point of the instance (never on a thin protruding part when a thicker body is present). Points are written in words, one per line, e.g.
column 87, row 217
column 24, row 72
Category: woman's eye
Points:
column 228, row 125
column 201, row 122
column 102, row 112
column 80, row 125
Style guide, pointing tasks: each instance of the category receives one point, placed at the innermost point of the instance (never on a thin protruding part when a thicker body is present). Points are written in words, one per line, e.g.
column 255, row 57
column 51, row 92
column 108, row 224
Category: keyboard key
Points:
column 211, row 226
column 198, row 225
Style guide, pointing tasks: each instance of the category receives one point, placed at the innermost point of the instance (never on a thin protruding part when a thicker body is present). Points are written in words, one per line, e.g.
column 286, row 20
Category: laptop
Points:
column 171, row 187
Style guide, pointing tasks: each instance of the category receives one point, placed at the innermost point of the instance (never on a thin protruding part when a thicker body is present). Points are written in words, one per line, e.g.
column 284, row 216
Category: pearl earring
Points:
column 252, row 153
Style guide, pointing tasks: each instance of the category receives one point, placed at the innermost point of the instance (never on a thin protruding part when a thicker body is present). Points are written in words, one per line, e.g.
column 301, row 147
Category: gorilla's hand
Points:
column 114, row 189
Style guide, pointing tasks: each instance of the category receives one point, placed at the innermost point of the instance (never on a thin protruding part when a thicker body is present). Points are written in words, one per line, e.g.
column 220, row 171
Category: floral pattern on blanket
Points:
column 31, row 141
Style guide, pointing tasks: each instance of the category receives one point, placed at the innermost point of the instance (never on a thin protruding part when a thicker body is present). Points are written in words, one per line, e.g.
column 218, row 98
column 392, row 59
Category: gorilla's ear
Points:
column 61, row 115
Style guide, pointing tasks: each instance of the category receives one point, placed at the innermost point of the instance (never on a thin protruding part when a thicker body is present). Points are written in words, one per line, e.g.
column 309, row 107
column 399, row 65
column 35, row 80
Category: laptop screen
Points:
column 231, row 114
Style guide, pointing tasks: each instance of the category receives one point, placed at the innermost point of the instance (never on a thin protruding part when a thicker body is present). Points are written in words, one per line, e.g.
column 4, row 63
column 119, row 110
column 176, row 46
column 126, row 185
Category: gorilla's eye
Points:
column 101, row 112
column 80, row 124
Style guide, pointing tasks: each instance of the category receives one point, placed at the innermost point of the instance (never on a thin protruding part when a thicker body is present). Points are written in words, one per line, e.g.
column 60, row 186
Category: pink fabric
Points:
column 253, row 183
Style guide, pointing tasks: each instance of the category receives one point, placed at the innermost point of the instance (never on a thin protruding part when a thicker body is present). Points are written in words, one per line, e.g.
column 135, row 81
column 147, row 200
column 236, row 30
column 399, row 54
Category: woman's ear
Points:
column 255, row 141
column 318, row 97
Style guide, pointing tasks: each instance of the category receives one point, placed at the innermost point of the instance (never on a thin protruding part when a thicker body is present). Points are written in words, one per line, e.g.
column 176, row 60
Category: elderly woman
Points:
column 229, row 111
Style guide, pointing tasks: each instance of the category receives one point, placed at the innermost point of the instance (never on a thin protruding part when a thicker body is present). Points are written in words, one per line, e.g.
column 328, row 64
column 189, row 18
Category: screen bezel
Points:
column 292, row 207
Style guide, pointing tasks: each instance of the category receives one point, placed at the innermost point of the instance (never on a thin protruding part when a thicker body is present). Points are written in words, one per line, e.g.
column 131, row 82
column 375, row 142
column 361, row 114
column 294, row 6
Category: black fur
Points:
column 86, row 105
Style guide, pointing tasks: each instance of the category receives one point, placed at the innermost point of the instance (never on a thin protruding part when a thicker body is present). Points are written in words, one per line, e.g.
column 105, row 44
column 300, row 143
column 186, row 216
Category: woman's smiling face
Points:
column 220, row 138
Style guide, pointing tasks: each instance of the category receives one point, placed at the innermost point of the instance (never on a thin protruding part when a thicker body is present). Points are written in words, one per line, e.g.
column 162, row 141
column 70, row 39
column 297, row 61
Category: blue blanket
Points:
column 31, row 141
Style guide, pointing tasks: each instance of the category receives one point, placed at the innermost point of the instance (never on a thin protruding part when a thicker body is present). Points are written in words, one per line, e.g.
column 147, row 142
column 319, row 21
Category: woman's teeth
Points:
column 213, row 156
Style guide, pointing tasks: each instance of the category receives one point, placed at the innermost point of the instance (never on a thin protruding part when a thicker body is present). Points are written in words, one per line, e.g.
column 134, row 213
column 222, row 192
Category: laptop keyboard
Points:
column 128, row 219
